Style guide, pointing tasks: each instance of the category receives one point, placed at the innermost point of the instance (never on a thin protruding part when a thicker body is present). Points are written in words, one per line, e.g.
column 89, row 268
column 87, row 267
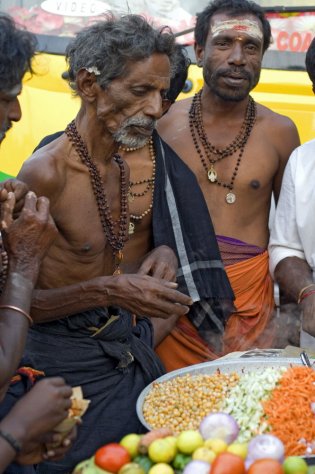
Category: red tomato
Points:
column 264, row 466
column 228, row 463
column 111, row 457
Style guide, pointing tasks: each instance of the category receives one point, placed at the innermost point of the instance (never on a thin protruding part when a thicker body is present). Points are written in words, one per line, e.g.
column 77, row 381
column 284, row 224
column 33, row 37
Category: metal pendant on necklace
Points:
column 230, row 198
column 118, row 258
column 131, row 229
column 212, row 174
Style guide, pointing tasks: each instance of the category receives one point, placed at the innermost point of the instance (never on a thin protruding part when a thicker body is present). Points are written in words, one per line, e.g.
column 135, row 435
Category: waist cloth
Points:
column 247, row 327
column 112, row 362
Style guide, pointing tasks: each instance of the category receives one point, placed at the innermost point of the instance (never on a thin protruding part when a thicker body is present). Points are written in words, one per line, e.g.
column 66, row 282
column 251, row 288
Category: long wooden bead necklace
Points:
column 118, row 239
column 132, row 195
column 214, row 154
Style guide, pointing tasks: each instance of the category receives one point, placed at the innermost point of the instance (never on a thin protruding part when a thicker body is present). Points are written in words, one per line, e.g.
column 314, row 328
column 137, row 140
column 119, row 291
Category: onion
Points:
column 219, row 425
column 265, row 446
column 197, row 467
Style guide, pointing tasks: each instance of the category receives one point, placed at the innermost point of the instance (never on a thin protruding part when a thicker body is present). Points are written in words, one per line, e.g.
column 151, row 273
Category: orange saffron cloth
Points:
column 246, row 328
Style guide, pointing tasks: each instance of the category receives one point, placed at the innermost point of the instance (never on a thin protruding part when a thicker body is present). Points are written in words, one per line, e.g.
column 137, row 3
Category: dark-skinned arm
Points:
column 293, row 274
column 31, row 423
column 140, row 294
column 26, row 240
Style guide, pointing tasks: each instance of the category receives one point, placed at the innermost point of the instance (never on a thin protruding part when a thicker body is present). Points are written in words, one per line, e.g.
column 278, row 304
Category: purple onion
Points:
column 265, row 446
column 197, row 467
column 219, row 425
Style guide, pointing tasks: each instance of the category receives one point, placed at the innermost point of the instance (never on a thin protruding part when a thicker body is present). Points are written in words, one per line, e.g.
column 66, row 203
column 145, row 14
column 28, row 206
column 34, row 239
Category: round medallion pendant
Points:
column 230, row 198
column 212, row 175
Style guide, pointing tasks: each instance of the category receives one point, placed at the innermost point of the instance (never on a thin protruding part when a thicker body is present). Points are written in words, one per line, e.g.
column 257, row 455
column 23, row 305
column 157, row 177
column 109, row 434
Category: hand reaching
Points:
column 27, row 238
column 19, row 189
column 160, row 263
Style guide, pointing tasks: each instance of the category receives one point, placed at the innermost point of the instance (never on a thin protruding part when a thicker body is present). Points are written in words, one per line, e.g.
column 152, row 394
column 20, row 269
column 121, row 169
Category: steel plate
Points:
column 226, row 366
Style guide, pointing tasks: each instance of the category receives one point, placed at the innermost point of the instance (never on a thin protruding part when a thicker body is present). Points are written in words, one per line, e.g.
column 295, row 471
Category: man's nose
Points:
column 153, row 107
column 237, row 55
column 15, row 113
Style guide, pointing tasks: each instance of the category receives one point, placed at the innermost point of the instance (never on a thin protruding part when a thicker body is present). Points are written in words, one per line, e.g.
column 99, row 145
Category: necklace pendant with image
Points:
column 131, row 229
column 230, row 198
column 212, row 174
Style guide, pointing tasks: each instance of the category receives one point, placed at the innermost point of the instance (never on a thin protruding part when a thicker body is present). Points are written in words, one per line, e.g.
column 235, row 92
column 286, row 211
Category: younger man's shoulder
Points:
column 274, row 119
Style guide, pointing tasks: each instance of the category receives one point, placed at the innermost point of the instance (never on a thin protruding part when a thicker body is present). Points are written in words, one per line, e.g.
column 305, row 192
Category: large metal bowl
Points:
column 225, row 366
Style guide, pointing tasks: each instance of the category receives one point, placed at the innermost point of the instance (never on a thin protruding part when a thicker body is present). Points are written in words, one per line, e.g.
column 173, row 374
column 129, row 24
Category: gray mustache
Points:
column 140, row 122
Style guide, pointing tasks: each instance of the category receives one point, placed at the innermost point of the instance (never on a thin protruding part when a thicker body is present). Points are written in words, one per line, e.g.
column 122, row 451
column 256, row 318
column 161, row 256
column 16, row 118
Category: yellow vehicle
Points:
column 48, row 105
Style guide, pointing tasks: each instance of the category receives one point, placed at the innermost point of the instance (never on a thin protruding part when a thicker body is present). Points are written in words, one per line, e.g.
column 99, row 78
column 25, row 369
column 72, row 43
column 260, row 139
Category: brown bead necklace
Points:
column 134, row 218
column 118, row 239
column 214, row 154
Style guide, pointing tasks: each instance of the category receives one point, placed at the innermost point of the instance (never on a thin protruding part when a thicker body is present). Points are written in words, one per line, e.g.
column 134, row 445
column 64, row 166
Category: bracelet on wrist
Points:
column 305, row 295
column 14, row 443
column 18, row 310
column 300, row 297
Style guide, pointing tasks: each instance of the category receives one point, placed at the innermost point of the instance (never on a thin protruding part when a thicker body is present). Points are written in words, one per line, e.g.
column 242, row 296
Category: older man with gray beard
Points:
column 120, row 68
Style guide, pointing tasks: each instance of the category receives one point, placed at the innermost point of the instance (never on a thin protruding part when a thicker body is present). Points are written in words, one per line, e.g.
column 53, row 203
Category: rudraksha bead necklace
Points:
column 115, row 240
column 214, row 154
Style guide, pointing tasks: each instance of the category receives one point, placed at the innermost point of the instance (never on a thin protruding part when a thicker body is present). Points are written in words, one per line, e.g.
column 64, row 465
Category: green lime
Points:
column 294, row 465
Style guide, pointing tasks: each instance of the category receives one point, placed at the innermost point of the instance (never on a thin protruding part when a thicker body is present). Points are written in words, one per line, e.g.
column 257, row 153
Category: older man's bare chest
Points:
column 84, row 247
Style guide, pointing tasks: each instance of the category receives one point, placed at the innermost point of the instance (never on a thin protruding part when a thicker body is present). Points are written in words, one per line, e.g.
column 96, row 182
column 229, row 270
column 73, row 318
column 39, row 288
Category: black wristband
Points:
column 14, row 443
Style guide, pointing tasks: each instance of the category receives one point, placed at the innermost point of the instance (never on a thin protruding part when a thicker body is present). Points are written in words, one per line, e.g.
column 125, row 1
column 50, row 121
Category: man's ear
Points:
column 199, row 51
column 87, row 85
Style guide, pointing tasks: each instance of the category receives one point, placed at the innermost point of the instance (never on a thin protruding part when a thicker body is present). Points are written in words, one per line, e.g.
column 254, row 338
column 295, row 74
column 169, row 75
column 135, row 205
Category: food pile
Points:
column 79, row 405
column 212, row 449
column 279, row 401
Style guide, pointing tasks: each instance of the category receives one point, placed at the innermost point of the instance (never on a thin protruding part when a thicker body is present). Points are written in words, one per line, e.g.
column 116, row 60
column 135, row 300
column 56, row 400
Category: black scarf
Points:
column 181, row 220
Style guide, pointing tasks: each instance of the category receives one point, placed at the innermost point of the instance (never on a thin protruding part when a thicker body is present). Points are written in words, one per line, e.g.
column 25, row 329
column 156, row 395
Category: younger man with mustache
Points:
column 238, row 150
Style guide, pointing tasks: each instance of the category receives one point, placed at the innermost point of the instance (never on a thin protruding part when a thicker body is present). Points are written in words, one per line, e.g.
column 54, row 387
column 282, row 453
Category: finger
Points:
column 43, row 207
column 30, row 201
column 159, row 271
column 3, row 195
column 170, row 275
column 71, row 436
column 145, row 268
column 57, row 381
column 174, row 295
column 66, row 391
column 167, row 273
column 7, row 208
column 171, row 284
column 52, row 438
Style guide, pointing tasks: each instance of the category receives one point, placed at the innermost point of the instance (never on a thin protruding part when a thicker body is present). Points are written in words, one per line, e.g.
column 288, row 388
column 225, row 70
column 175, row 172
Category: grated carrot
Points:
column 289, row 413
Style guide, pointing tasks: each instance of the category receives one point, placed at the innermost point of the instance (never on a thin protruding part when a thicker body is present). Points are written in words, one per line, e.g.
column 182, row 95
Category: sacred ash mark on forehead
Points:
column 239, row 25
